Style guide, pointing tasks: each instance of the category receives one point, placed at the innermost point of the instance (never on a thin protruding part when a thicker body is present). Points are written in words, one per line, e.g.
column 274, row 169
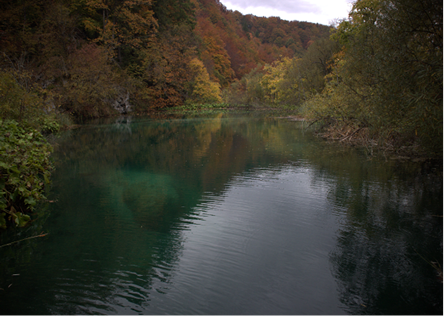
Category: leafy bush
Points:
column 49, row 125
column 24, row 170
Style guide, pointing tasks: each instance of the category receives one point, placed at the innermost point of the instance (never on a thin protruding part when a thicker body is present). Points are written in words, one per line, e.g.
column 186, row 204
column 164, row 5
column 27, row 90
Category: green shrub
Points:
column 48, row 125
column 24, row 171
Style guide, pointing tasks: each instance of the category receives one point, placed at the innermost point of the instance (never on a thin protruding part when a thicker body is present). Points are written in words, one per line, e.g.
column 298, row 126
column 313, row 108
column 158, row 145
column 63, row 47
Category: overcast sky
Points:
column 316, row 11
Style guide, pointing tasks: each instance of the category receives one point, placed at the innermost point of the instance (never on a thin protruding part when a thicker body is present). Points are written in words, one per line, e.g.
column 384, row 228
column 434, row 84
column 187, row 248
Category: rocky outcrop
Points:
column 122, row 104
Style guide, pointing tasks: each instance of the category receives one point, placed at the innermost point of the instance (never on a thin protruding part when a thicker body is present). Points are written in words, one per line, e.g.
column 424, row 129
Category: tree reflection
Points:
column 390, row 228
column 125, row 190
column 158, row 170
column 128, row 187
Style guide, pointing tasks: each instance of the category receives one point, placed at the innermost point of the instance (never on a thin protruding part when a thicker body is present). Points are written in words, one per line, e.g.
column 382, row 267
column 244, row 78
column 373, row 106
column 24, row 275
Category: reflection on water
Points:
column 389, row 227
column 226, row 215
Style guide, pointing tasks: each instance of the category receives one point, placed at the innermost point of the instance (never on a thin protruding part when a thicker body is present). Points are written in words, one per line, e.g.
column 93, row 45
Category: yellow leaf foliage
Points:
column 203, row 89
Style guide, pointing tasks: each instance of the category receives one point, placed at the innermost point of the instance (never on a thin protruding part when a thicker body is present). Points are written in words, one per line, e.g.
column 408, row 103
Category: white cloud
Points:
column 293, row 6
column 316, row 11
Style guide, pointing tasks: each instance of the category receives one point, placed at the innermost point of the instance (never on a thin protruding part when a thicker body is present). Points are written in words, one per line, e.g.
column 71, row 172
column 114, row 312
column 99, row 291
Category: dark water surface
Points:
column 226, row 214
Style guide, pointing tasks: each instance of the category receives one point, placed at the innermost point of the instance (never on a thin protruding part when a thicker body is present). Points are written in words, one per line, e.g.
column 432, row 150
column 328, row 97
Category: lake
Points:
column 226, row 213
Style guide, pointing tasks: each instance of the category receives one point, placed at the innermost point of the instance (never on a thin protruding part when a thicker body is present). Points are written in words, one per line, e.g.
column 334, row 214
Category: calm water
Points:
column 226, row 214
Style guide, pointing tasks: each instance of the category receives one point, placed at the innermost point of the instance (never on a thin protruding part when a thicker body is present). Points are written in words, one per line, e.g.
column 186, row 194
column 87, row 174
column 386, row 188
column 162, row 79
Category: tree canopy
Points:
column 387, row 78
column 86, row 54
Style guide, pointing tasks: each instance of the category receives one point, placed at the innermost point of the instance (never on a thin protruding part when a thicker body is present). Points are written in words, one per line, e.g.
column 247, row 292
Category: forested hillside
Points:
column 85, row 56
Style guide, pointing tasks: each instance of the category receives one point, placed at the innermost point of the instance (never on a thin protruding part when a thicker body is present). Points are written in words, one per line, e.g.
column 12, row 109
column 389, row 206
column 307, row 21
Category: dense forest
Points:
column 89, row 58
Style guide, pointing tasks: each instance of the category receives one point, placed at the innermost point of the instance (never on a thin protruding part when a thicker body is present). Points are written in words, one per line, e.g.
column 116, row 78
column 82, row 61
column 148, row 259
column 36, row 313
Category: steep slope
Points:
column 88, row 58
column 244, row 41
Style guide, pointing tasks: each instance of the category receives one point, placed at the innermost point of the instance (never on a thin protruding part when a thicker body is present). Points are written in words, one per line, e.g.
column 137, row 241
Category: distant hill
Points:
column 248, row 40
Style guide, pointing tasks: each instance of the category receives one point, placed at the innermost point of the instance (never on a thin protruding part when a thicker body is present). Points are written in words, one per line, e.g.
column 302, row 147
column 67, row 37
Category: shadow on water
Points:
column 388, row 256
column 127, row 193
column 388, row 249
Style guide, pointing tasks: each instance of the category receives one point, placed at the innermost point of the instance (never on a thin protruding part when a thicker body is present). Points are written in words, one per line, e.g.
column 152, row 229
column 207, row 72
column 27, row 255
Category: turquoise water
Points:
column 226, row 214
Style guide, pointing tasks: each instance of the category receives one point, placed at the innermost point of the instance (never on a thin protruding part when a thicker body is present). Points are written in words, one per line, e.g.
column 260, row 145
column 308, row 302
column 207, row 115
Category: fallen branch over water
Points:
column 38, row 236
column 350, row 135
column 395, row 145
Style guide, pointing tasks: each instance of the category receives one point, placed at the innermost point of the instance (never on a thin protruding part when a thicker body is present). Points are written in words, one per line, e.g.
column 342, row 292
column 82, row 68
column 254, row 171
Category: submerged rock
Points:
column 147, row 196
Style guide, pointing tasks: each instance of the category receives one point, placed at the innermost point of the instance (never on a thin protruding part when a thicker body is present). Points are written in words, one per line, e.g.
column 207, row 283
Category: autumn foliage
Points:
column 80, row 56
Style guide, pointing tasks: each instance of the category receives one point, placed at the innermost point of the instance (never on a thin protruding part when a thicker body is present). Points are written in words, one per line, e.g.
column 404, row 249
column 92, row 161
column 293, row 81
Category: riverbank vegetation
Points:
column 24, row 166
column 377, row 81
column 385, row 83
column 25, row 170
